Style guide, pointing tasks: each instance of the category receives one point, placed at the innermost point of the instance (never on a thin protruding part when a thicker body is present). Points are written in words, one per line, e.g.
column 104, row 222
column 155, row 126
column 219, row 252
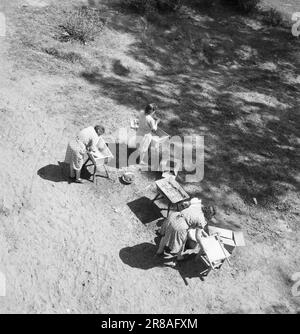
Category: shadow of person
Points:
column 54, row 173
column 141, row 256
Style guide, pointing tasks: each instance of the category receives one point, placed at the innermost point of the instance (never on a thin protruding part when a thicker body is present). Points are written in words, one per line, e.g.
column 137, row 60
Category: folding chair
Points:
column 214, row 253
column 100, row 159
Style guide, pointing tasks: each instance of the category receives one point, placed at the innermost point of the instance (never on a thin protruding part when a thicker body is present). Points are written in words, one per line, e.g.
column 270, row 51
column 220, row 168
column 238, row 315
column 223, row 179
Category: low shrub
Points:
column 82, row 24
column 247, row 5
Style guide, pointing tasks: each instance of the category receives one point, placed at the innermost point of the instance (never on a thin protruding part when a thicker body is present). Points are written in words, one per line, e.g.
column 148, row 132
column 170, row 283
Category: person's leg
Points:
column 181, row 251
column 201, row 249
column 143, row 149
column 143, row 155
column 199, row 235
column 78, row 175
column 72, row 172
column 78, row 163
column 162, row 245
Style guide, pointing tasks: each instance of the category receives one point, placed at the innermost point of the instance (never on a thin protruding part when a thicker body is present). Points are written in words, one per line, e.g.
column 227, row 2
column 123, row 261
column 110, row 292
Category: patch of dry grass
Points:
column 82, row 24
column 42, row 32
column 71, row 56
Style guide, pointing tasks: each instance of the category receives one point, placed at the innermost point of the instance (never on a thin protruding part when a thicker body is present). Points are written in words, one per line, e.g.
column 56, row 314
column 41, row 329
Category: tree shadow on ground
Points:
column 222, row 75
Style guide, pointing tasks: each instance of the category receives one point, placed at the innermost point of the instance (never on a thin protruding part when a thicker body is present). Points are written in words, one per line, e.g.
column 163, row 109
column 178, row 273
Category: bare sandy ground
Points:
column 68, row 248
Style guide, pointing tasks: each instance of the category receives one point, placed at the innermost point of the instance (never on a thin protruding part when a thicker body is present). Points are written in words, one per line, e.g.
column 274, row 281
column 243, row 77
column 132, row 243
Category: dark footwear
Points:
column 78, row 181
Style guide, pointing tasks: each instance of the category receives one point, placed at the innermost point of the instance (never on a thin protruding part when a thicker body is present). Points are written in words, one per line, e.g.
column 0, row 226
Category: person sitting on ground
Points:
column 86, row 141
column 147, row 126
column 182, row 227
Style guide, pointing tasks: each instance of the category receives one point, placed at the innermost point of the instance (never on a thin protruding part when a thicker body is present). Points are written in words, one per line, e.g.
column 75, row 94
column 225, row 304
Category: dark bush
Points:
column 245, row 6
column 272, row 17
column 148, row 6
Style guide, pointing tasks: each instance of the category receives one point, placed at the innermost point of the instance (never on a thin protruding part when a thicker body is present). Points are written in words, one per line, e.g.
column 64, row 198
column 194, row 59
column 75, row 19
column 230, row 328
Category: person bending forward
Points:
column 86, row 141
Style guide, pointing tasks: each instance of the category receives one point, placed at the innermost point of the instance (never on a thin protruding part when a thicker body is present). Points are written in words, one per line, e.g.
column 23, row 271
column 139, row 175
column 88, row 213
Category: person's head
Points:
column 150, row 109
column 185, row 204
column 194, row 201
column 100, row 130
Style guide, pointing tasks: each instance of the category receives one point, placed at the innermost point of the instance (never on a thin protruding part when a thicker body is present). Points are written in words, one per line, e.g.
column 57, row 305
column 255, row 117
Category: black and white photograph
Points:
column 150, row 159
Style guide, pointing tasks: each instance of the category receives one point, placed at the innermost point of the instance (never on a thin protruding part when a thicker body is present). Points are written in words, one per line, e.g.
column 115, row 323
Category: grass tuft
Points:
column 71, row 57
column 81, row 24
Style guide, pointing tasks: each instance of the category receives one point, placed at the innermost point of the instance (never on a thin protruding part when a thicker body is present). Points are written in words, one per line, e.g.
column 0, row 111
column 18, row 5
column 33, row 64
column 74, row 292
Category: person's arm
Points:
column 89, row 146
column 94, row 141
column 152, row 123
column 82, row 152
column 192, row 234
column 200, row 233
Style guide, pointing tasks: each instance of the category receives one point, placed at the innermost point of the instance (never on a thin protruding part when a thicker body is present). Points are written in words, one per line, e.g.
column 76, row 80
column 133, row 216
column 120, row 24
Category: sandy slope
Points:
column 79, row 248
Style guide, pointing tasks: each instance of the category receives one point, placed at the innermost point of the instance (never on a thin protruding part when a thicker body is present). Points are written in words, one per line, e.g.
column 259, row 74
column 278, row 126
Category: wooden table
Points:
column 172, row 191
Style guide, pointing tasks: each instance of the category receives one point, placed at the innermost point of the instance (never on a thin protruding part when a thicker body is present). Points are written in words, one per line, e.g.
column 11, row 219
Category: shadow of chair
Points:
column 192, row 267
column 145, row 210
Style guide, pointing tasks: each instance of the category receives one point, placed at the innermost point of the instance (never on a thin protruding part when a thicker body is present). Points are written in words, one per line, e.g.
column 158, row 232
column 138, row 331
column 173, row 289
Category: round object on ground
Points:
column 128, row 177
